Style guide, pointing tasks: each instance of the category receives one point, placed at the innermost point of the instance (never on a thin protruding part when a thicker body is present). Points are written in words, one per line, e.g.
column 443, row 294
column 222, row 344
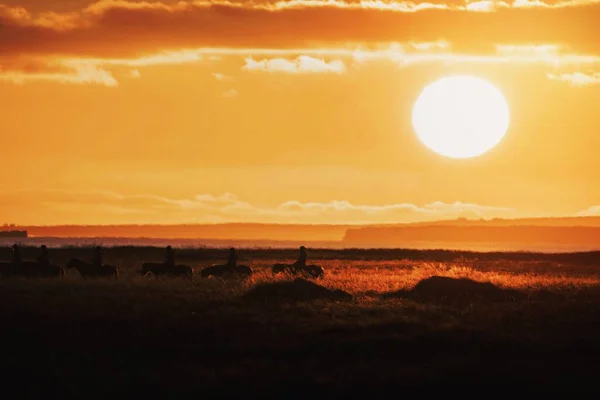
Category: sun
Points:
column 460, row 116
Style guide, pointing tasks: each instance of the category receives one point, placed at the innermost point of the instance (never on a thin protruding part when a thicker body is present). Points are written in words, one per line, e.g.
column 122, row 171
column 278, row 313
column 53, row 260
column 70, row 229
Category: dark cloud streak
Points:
column 115, row 30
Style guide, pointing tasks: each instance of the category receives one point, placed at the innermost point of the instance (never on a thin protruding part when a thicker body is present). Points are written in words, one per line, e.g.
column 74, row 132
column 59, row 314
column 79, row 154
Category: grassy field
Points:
column 139, row 336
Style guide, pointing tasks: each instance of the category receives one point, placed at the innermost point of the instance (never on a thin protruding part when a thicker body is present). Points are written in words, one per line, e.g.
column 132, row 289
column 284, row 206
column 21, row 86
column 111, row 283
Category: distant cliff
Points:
column 516, row 237
column 545, row 234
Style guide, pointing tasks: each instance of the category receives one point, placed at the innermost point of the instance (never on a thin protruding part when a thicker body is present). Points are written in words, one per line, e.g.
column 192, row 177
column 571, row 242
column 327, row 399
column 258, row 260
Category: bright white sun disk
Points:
column 460, row 116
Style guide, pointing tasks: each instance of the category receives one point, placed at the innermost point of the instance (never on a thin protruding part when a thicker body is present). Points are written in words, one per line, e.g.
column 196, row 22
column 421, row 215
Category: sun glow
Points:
column 460, row 116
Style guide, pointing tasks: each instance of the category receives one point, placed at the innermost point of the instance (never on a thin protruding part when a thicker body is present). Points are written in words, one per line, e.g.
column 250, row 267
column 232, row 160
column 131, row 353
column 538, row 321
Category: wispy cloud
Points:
column 302, row 64
column 109, row 207
column 485, row 6
column 552, row 55
column 343, row 58
column 593, row 211
column 230, row 94
column 83, row 73
column 221, row 77
column 341, row 211
column 577, row 78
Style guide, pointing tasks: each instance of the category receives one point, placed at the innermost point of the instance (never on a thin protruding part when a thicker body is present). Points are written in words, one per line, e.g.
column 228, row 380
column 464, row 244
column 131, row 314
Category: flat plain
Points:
column 380, row 320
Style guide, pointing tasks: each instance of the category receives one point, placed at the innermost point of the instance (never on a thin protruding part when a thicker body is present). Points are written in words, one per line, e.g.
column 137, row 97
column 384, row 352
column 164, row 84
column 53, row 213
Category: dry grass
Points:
column 366, row 279
column 362, row 278
column 375, row 277
column 187, row 335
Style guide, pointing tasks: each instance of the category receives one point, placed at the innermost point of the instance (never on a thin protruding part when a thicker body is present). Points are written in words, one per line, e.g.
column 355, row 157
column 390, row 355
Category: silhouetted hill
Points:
column 293, row 291
column 445, row 290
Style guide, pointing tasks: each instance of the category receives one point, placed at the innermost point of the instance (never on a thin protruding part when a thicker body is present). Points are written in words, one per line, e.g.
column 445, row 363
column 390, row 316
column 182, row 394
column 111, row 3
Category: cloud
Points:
column 528, row 50
column 415, row 53
column 485, row 6
column 221, row 77
column 112, row 208
column 113, row 29
column 83, row 73
column 161, row 58
column 550, row 55
column 21, row 69
column 593, row 211
column 345, row 211
column 294, row 60
column 291, row 36
column 230, row 94
column 577, row 78
column 302, row 64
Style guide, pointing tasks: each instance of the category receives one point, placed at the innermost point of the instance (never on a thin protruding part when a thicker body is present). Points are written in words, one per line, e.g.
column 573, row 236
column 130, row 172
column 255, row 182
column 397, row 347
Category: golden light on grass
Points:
column 461, row 116
column 368, row 278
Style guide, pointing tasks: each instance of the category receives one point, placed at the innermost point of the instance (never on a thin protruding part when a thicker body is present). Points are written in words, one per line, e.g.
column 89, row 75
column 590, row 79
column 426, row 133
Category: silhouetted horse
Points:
column 89, row 270
column 313, row 271
column 32, row 269
column 225, row 270
column 162, row 269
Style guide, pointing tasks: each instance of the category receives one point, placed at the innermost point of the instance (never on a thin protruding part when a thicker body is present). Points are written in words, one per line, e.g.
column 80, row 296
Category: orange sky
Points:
column 175, row 112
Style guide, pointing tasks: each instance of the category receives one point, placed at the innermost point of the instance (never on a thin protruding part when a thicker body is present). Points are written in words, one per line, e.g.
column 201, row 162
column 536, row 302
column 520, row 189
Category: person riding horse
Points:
column 16, row 255
column 231, row 258
column 97, row 259
column 43, row 257
column 170, row 259
column 301, row 261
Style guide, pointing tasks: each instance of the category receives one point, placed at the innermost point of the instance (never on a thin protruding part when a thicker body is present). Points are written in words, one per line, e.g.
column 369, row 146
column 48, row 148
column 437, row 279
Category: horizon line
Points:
column 360, row 224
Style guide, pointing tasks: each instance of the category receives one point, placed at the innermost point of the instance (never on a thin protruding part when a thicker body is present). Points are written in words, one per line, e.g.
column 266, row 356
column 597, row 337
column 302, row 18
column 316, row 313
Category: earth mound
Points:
column 441, row 289
column 294, row 291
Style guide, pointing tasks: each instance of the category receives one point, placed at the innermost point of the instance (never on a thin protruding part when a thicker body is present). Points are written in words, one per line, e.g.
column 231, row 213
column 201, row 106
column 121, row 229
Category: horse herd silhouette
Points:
column 45, row 269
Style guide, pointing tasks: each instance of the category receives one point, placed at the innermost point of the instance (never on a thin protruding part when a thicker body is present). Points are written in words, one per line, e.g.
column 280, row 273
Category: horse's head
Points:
column 146, row 268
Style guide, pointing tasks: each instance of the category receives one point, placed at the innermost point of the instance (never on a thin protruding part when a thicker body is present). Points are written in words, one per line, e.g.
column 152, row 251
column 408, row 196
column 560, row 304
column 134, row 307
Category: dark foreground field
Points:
column 390, row 327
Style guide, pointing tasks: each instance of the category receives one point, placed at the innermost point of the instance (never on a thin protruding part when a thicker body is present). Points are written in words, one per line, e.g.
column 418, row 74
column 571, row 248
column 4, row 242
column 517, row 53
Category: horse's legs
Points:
column 297, row 269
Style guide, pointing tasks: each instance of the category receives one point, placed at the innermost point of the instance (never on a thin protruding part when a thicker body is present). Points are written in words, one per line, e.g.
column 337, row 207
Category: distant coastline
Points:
column 13, row 234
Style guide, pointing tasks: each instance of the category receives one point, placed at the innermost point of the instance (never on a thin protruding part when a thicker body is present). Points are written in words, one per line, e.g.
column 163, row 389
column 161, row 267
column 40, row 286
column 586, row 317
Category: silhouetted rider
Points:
column 16, row 255
column 170, row 262
column 301, row 261
column 97, row 259
column 232, row 258
column 43, row 257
